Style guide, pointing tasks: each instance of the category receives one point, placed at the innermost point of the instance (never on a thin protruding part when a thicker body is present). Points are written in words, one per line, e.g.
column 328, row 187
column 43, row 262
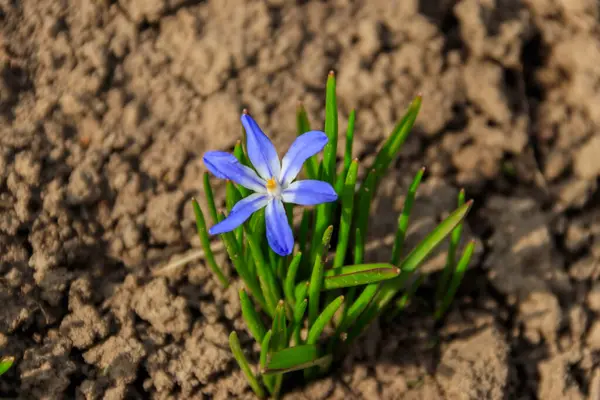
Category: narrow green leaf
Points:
column 311, row 166
column 269, row 381
column 461, row 267
column 301, row 291
column 291, row 357
column 232, row 248
column 210, row 199
column 394, row 143
column 404, row 218
column 314, row 363
column 346, row 217
column 390, row 288
column 300, row 309
column 290, row 279
column 303, row 233
column 331, row 130
column 279, row 328
column 442, row 286
column 355, row 275
column 205, row 242
column 277, row 387
column 407, row 296
column 232, row 196
column 268, row 282
column 384, row 295
column 239, row 356
column 316, row 279
column 327, row 171
column 299, row 312
column 5, row 364
column 349, row 141
column 424, row 248
column 273, row 260
column 258, row 227
column 364, row 208
column 358, row 306
column 251, row 317
column 359, row 247
column 339, row 182
column 323, row 319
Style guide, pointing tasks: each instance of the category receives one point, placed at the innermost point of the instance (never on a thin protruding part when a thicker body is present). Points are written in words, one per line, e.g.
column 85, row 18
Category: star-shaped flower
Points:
column 273, row 185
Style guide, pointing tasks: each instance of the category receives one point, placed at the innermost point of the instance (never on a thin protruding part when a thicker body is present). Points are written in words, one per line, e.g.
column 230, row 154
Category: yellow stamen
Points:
column 271, row 184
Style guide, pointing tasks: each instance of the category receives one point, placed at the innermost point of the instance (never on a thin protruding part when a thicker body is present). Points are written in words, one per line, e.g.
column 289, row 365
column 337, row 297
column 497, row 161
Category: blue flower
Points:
column 273, row 185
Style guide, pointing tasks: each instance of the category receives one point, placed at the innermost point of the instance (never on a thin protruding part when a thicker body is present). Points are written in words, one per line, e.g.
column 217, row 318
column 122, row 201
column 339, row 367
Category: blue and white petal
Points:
column 309, row 192
column 226, row 166
column 305, row 146
column 241, row 211
column 261, row 152
column 279, row 232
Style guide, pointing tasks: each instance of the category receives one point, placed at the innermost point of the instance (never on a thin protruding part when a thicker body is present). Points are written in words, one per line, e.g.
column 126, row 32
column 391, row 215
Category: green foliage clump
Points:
column 285, row 296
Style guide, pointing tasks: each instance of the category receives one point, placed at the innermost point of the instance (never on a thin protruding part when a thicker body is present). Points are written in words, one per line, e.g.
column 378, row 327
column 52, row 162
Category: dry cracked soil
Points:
column 106, row 108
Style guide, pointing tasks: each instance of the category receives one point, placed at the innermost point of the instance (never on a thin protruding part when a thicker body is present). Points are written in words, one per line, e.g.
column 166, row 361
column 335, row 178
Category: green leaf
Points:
column 363, row 209
column 232, row 196
column 299, row 312
column 210, row 199
column 324, row 318
column 327, row 172
column 266, row 277
column 355, row 275
column 279, row 328
column 316, row 279
column 349, row 142
column 232, row 248
column 394, row 143
column 331, row 130
column 269, row 381
column 409, row 294
column 303, row 233
column 239, row 356
column 290, row 279
column 461, row 267
column 346, row 217
column 404, row 218
column 318, row 362
column 358, row 307
column 251, row 317
column 301, row 291
column 289, row 359
column 359, row 247
column 390, row 288
column 5, row 364
column 311, row 166
column 424, row 248
column 205, row 242
column 406, row 297
column 442, row 286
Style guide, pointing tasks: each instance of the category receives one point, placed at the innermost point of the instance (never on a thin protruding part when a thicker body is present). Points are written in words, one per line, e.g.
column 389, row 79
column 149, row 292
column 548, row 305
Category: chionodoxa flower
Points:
column 273, row 182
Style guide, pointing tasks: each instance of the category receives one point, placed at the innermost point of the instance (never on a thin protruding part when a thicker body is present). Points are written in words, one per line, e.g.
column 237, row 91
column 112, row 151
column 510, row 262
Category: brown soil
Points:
column 106, row 108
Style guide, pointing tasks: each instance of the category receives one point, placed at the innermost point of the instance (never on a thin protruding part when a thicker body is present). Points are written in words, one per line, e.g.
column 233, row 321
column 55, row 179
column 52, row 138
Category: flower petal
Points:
column 226, row 166
column 306, row 145
column 309, row 192
column 241, row 211
column 261, row 151
column 279, row 233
